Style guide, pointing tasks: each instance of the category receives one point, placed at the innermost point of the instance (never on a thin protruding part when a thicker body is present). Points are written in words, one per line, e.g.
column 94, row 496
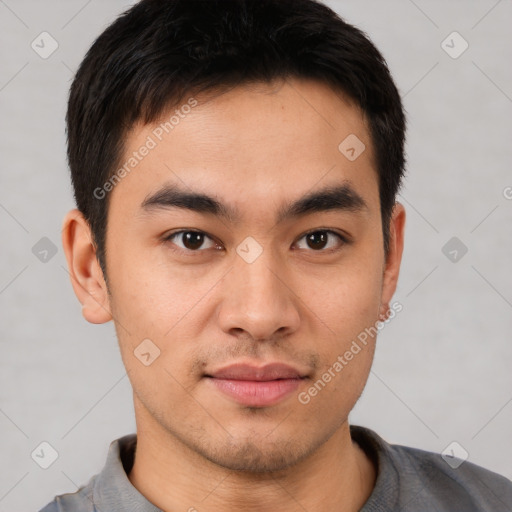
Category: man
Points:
column 235, row 166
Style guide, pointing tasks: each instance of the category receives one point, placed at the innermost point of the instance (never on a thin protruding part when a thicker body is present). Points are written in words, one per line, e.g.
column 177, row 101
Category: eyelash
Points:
column 343, row 239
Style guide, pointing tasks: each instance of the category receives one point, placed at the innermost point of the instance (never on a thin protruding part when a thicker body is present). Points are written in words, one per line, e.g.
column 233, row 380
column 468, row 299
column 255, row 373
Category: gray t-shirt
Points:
column 408, row 480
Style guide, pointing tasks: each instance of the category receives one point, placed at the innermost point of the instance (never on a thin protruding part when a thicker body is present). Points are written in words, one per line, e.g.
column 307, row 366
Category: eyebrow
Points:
column 341, row 198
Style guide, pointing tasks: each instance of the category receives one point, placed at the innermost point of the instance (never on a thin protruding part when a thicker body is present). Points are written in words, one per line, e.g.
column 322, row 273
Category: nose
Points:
column 258, row 301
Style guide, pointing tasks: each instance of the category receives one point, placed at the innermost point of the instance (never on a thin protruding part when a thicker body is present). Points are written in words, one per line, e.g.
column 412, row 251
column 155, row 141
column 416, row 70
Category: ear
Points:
column 394, row 257
column 84, row 269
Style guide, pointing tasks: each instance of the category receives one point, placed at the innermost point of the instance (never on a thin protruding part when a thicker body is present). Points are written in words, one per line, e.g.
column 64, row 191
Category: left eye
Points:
column 318, row 240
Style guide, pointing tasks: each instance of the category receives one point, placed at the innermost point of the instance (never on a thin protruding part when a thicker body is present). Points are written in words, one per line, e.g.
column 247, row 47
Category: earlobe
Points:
column 84, row 269
column 394, row 257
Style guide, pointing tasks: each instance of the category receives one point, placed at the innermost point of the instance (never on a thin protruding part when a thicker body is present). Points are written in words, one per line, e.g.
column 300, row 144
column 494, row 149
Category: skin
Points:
column 253, row 149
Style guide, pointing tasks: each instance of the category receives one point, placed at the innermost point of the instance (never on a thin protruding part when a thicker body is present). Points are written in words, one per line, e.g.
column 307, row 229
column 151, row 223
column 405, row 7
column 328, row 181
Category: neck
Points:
column 338, row 476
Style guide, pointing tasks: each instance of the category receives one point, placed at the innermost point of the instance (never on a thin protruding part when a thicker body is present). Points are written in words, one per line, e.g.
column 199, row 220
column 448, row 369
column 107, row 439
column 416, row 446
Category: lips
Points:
column 268, row 372
column 255, row 386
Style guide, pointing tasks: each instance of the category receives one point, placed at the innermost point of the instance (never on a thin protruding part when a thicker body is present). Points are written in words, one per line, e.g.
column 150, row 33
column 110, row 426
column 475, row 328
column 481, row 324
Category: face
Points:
column 244, row 256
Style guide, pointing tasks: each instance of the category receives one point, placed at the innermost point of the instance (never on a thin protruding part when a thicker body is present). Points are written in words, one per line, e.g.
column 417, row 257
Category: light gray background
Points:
column 442, row 370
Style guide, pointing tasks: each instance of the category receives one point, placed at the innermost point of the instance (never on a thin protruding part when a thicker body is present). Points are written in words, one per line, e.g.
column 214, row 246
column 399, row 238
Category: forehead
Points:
column 254, row 143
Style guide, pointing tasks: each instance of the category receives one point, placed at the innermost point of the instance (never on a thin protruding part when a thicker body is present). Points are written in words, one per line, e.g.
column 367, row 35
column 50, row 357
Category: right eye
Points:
column 191, row 241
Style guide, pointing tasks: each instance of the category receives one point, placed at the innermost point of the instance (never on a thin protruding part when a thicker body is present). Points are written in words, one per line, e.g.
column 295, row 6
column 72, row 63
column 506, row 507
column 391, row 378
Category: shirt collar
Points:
column 113, row 491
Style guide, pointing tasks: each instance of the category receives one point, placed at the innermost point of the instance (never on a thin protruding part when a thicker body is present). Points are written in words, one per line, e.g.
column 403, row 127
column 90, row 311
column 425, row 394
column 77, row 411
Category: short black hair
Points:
column 160, row 51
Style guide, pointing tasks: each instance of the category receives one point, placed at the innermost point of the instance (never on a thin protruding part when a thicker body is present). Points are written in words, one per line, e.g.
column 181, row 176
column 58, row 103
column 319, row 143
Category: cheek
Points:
column 349, row 300
column 157, row 337
column 153, row 295
column 153, row 301
column 347, row 312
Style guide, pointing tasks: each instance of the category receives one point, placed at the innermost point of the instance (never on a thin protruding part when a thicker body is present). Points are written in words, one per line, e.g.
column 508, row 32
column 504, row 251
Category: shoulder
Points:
column 472, row 487
column 411, row 479
column 79, row 501
column 107, row 489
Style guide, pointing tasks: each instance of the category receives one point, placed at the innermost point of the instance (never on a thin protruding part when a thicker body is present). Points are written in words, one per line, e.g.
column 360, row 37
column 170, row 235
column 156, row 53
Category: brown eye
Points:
column 191, row 240
column 317, row 240
column 321, row 239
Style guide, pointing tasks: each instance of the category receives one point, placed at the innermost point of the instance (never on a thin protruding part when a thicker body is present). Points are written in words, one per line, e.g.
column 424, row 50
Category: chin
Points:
column 252, row 457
